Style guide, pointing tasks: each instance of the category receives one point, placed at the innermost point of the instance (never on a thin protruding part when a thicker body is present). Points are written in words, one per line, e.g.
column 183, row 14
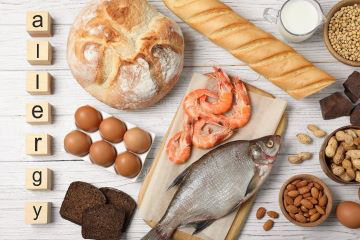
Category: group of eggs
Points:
column 112, row 131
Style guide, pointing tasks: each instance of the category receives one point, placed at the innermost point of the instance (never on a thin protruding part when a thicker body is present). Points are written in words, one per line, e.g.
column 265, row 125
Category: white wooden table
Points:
column 200, row 55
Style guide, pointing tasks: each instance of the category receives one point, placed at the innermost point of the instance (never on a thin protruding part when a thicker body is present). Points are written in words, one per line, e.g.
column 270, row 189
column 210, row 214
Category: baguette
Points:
column 264, row 53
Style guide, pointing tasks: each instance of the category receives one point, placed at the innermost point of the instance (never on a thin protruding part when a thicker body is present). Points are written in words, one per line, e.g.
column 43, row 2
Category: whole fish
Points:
column 217, row 184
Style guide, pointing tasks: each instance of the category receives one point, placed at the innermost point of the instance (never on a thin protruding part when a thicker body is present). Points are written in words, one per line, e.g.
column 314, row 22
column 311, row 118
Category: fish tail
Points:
column 159, row 232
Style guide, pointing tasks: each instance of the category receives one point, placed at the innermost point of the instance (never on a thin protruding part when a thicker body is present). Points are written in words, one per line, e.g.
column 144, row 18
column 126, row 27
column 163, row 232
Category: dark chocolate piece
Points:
column 120, row 200
column 335, row 105
column 80, row 196
column 103, row 222
column 352, row 86
column 355, row 116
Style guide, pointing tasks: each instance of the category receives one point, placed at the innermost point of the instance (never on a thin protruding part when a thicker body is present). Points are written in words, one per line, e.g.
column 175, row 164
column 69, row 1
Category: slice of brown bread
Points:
column 80, row 196
column 120, row 200
column 103, row 222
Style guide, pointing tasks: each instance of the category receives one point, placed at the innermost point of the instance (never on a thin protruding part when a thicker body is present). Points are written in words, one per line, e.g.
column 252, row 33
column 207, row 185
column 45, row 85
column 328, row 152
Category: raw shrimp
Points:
column 204, row 137
column 191, row 103
column 225, row 95
column 242, row 109
column 179, row 146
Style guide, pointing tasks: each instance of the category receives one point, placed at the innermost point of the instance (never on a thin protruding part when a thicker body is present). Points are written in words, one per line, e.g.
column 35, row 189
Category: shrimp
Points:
column 242, row 109
column 179, row 146
column 225, row 96
column 204, row 137
column 191, row 103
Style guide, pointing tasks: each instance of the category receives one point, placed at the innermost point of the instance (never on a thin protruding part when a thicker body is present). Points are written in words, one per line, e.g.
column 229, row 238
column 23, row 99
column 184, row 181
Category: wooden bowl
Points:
column 327, row 192
column 325, row 161
column 336, row 8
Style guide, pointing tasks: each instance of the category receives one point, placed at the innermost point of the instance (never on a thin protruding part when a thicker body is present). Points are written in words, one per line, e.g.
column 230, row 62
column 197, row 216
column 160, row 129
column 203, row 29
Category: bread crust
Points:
column 264, row 53
column 125, row 53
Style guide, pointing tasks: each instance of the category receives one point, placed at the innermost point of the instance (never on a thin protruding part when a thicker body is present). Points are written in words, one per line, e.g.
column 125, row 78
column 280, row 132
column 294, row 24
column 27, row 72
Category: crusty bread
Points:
column 264, row 53
column 125, row 53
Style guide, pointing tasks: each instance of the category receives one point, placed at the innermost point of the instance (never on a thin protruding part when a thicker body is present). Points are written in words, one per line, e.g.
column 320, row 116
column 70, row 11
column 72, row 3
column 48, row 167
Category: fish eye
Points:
column 270, row 144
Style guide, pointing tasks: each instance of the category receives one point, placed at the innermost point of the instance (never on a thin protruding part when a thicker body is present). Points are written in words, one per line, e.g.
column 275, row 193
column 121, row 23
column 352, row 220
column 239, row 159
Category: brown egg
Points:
column 348, row 214
column 127, row 164
column 77, row 143
column 112, row 129
column 102, row 153
column 137, row 140
column 88, row 118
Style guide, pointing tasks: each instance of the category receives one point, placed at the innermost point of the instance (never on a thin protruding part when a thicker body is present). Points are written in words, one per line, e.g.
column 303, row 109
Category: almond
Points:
column 314, row 217
column 312, row 211
column 292, row 215
column 306, row 195
column 301, row 183
column 306, row 214
column 310, row 185
column 268, row 225
column 300, row 218
column 290, row 187
column 260, row 213
column 292, row 209
column 315, row 192
column 323, row 201
column 288, row 200
column 295, row 181
column 272, row 214
column 320, row 209
column 293, row 193
column 304, row 190
column 297, row 200
column 318, row 186
column 312, row 200
column 306, row 203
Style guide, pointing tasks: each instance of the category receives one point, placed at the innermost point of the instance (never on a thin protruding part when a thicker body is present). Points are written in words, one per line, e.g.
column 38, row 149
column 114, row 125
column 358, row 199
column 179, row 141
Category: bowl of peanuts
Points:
column 342, row 32
column 340, row 155
column 305, row 200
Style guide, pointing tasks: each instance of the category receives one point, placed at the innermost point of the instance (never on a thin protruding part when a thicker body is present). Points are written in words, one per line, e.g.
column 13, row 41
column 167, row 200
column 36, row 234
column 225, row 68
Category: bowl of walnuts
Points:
column 342, row 32
column 340, row 155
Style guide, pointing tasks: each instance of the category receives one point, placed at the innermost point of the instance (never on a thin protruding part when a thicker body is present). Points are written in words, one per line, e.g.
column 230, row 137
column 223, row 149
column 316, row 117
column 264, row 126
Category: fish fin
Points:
column 201, row 225
column 253, row 184
column 159, row 233
column 179, row 179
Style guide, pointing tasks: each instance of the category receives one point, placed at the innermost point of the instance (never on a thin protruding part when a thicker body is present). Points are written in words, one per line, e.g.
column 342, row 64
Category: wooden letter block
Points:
column 38, row 113
column 38, row 144
column 38, row 83
column 38, row 179
column 38, row 24
column 37, row 212
column 39, row 53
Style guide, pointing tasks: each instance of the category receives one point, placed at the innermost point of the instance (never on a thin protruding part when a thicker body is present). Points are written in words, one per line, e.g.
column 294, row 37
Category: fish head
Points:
column 264, row 151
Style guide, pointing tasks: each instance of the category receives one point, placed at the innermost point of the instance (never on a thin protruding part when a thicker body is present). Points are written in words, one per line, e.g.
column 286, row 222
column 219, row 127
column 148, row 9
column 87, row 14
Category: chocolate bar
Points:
column 335, row 105
column 355, row 116
column 352, row 86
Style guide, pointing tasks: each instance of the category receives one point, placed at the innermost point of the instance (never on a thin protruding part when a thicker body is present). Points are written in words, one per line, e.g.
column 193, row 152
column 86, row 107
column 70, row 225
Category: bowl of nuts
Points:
column 342, row 32
column 305, row 200
column 340, row 155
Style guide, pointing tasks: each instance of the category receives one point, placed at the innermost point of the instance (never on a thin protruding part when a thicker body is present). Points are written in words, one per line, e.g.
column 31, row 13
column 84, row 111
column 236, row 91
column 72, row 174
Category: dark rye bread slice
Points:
column 102, row 222
column 120, row 200
column 80, row 196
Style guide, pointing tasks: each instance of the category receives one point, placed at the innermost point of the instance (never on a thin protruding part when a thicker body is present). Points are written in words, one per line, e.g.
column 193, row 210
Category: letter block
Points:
column 37, row 212
column 38, row 113
column 39, row 53
column 38, row 24
column 38, row 83
column 38, row 144
column 38, row 179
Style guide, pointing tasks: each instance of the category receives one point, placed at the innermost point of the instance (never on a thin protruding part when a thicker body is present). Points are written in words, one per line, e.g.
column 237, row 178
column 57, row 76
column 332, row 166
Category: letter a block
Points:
column 37, row 212
column 38, row 24
column 38, row 83
column 38, row 179
column 39, row 53
column 38, row 113
column 38, row 144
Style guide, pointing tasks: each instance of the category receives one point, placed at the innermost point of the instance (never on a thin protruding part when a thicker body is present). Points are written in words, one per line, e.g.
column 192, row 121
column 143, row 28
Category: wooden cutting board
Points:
column 242, row 213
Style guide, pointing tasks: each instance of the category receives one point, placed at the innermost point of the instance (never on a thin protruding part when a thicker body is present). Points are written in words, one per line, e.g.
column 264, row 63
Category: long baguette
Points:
column 264, row 53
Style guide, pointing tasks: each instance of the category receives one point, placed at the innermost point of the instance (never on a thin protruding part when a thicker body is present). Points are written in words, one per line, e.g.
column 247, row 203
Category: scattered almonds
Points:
column 268, row 225
column 272, row 214
column 304, row 138
column 316, row 131
column 260, row 213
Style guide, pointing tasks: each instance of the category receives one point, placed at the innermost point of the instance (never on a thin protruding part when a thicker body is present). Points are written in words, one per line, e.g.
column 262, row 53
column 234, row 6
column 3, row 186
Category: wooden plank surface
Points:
column 199, row 55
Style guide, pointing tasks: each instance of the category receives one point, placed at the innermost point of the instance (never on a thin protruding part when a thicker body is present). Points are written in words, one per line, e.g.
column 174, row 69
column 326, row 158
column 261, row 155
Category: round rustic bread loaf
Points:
column 125, row 53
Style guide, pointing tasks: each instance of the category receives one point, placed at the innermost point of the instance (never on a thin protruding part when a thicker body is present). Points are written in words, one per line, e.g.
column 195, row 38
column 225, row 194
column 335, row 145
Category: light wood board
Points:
column 245, row 208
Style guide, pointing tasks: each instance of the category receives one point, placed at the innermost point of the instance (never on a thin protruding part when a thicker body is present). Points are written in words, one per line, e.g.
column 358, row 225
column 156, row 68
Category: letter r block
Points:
column 38, row 144
column 37, row 212
column 38, row 24
column 38, row 179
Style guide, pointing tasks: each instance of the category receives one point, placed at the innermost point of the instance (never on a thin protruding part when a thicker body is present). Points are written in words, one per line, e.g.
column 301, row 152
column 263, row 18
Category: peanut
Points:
column 357, row 141
column 348, row 147
column 331, row 147
column 357, row 178
column 341, row 136
column 353, row 154
column 345, row 177
column 351, row 173
column 356, row 163
column 339, row 155
column 316, row 131
column 338, row 171
column 351, row 132
column 346, row 164
column 299, row 158
column 304, row 138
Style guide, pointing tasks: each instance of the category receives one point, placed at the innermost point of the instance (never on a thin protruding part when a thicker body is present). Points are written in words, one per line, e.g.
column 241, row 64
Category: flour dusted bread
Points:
column 265, row 54
column 125, row 53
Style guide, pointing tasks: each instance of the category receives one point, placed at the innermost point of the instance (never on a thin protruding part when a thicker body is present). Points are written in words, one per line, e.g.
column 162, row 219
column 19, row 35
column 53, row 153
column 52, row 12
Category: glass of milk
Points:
column 297, row 20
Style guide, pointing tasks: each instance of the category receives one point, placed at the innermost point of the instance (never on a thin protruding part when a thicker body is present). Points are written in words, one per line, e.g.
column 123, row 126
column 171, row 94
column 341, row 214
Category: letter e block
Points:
column 38, row 144
column 38, row 113
column 38, row 24
column 38, row 179
column 37, row 212
column 38, row 83
column 39, row 53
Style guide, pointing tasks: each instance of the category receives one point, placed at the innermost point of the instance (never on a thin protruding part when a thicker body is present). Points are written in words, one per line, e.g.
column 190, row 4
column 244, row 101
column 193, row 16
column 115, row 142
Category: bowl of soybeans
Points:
column 305, row 200
column 342, row 32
